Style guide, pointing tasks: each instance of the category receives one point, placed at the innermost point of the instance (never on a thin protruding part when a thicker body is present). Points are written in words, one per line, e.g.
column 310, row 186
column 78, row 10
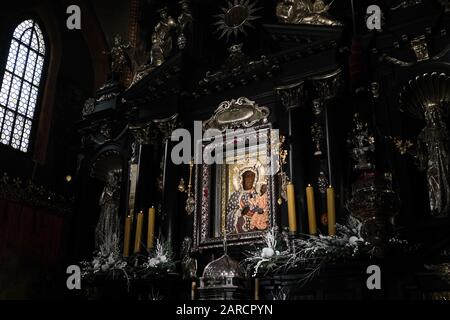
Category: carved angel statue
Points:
column 162, row 39
column 108, row 228
column 120, row 59
column 305, row 12
column 183, row 20
column 162, row 45
column 188, row 263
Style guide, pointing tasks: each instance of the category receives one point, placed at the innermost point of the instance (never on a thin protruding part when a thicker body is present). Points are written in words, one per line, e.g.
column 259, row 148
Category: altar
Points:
column 302, row 182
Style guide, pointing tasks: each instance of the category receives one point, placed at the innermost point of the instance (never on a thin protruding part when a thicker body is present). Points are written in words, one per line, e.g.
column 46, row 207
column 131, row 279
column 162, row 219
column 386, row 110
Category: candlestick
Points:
column 257, row 285
column 151, row 228
column 291, row 207
column 193, row 289
column 137, row 239
column 311, row 210
column 127, row 233
column 331, row 211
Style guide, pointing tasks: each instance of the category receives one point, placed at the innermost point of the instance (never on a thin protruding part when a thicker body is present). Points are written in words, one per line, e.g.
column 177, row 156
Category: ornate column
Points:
column 327, row 88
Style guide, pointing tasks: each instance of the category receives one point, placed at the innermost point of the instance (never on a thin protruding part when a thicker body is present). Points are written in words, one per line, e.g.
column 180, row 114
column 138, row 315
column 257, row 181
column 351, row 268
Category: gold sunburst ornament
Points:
column 236, row 17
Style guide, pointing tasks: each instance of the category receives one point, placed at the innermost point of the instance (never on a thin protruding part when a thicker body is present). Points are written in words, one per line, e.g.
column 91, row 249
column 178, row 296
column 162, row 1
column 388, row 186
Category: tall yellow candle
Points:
column 193, row 289
column 292, row 214
column 151, row 228
column 257, row 285
column 311, row 210
column 127, row 233
column 138, row 238
column 331, row 204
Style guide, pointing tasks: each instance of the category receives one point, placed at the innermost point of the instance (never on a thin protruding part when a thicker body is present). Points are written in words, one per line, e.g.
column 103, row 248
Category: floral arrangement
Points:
column 107, row 263
column 160, row 260
column 110, row 264
column 310, row 253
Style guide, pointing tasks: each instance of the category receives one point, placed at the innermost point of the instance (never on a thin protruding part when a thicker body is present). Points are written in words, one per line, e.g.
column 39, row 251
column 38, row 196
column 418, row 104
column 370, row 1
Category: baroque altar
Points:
column 341, row 119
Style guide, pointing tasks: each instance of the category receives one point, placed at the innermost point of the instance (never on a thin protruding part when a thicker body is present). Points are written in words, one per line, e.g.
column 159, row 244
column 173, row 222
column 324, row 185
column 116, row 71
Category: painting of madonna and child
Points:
column 247, row 207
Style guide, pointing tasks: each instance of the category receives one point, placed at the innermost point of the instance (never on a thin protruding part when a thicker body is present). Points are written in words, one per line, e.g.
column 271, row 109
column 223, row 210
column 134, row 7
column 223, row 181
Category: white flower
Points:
column 353, row 241
column 105, row 267
column 153, row 262
column 111, row 260
column 267, row 253
column 163, row 259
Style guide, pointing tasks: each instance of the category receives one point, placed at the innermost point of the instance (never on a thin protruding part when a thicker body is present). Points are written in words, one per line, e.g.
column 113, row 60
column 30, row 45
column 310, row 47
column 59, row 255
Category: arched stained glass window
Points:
column 20, row 85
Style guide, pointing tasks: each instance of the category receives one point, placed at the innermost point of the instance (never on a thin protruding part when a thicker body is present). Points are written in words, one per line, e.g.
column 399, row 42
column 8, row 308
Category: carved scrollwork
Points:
column 420, row 47
column 328, row 86
column 305, row 12
column 143, row 134
column 241, row 113
column 89, row 107
column 292, row 95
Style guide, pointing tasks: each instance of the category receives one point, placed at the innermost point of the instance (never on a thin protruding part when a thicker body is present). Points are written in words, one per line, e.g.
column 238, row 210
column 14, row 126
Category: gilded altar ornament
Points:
column 223, row 278
column 161, row 39
column 375, row 90
column 190, row 201
column 182, row 186
column 420, row 47
column 282, row 176
column 120, row 59
column 318, row 107
column 89, row 107
column 373, row 202
column 363, row 145
column 238, row 114
column 426, row 98
column 322, row 183
column 317, row 137
column 313, row 12
column 236, row 65
column 162, row 45
column 284, row 179
column 236, row 18
column 184, row 20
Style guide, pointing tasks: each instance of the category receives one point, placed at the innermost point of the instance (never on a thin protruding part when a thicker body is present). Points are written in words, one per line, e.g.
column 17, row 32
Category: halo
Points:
column 257, row 169
column 235, row 18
